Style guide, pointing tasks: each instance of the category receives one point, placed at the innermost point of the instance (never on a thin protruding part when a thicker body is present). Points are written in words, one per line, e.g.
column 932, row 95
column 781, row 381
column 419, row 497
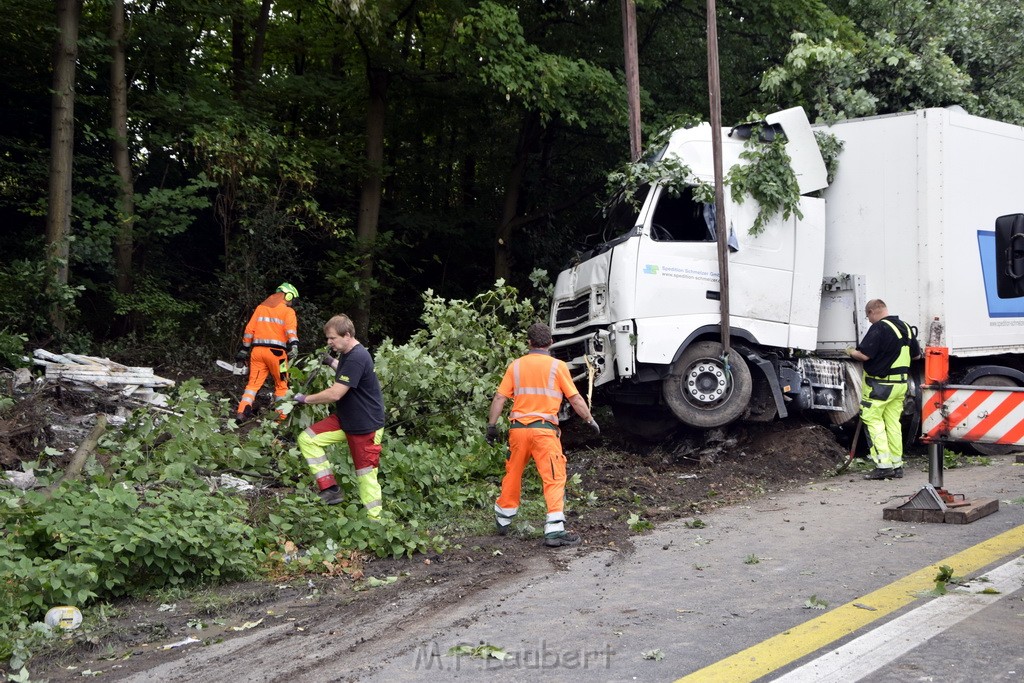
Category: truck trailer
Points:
column 909, row 217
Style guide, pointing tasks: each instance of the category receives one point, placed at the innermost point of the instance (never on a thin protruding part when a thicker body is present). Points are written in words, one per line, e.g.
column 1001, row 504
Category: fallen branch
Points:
column 85, row 449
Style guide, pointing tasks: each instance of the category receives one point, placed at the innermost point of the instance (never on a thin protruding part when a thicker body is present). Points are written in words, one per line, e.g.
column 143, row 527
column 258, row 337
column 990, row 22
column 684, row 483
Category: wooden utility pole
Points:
column 721, row 229
column 632, row 76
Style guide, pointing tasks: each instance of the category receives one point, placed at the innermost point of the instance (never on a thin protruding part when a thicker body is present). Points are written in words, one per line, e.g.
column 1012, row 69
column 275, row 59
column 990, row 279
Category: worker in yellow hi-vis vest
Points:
column 886, row 351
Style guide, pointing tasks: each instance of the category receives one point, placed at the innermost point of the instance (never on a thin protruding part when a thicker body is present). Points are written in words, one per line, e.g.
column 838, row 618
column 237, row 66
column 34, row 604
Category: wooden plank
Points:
column 99, row 374
column 972, row 511
column 52, row 357
column 94, row 360
column 896, row 514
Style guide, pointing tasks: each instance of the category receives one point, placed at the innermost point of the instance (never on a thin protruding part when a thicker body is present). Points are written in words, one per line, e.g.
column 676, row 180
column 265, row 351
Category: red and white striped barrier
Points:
column 967, row 413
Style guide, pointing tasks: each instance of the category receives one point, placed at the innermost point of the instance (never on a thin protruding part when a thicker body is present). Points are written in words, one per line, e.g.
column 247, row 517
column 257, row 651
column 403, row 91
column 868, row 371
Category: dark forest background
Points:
column 165, row 164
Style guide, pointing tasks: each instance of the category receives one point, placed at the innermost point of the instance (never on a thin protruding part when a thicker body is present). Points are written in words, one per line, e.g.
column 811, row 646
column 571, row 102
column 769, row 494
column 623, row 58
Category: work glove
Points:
column 242, row 355
column 299, row 398
column 492, row 434
column 593, row 425
column 327, row 359
column 849, row 351
column 293, row 351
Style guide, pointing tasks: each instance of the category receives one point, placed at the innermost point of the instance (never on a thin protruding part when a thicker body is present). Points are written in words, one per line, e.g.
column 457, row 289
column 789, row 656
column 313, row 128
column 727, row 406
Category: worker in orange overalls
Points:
column 536, row 383
column 270, row 341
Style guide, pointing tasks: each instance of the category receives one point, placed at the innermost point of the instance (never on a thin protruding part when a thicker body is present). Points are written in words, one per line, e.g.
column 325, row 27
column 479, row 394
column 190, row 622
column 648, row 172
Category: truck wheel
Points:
column 648, row 422
column 994, row 448
column 699, row 390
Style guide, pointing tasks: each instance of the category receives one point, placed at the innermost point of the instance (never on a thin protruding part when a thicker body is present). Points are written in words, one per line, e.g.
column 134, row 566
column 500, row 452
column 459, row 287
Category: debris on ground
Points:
column 89, row 373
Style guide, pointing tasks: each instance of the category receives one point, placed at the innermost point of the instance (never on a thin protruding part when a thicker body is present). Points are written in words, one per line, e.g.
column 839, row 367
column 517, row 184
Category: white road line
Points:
column 880, row 646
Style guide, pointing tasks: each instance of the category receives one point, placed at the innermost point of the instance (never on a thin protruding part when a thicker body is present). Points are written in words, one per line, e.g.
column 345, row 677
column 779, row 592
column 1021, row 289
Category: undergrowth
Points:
column 151, row 510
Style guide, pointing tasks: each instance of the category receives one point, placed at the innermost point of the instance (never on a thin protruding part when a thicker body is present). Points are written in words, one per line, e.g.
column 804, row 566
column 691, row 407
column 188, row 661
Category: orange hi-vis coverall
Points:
column 536, row 383
column 271, row 329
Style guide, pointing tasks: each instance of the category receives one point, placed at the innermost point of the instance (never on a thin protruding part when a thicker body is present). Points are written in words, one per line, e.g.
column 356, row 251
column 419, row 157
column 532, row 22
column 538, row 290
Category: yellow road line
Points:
column 787, row 647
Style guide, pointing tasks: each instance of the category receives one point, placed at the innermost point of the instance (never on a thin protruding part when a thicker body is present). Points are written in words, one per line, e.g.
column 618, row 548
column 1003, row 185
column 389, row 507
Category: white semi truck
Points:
column 908, row 218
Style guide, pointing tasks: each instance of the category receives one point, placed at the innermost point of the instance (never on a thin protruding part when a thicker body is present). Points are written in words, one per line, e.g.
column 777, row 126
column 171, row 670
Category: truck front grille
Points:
column 573, row 312
column 570, row 351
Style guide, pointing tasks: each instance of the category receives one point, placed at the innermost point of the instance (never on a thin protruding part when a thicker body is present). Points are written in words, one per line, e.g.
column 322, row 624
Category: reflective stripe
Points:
column 268, row 319
column 541, row 392
column 554, row 527
column 537, row 424
column 365, row 470
column 373, row 504
column 505, row 512
column 550, row 417
column 556, row 516
column 249, row 392
column 316, row 461
column 268, row 342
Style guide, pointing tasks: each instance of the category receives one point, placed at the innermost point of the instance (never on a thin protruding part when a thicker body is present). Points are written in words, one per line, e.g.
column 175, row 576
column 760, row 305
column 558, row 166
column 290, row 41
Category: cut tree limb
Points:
column 85, row 449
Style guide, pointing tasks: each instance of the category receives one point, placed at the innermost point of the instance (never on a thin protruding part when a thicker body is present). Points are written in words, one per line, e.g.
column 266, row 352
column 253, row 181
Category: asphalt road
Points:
column 808, row 585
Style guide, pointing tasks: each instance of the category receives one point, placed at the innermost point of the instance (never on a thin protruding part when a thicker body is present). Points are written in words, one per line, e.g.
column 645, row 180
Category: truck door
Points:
column 775, row 277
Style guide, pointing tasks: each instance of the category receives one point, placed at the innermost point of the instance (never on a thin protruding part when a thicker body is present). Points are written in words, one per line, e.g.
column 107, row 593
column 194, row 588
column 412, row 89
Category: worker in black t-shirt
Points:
column 886, row 352
column 358, row 418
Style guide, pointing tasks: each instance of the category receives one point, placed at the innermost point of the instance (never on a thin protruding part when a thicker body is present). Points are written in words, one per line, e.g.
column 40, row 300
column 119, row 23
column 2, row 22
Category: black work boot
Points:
column 883, row 473
column 332, row 495
column 557, row 539
column 897, row 473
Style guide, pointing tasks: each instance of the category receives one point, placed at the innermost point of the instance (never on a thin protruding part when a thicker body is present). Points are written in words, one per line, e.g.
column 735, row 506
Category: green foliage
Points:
column 163, row 314
column 882, row 57
column 169, row 211
column 943, row 579
column 752, row 559
column 830, row 147
column 29, row 295
column 481, row 651
column 638, row 524
column 437, row 389
column 12, row 348
column 656, row 168
column 767, row 177
column 814, row 602
column 557, row 87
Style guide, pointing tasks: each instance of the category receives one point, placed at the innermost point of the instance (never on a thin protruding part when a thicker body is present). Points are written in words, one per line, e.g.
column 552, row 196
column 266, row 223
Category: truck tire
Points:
column 994, row 448
column 652, row 423
column 699, row 390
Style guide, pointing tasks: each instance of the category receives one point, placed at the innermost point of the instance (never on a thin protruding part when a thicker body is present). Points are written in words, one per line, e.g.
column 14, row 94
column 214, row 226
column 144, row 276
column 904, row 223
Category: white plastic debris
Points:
column 19, row 480
column 65, row 617
column 234, row 483
column 180, row 643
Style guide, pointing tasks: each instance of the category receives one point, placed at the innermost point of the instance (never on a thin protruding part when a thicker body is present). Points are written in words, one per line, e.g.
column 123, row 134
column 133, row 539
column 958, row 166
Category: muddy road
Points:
column 747, row 528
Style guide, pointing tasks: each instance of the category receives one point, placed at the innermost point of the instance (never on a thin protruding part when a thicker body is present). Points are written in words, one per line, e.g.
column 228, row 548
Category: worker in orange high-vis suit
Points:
column 270, row 341
column 536, row 383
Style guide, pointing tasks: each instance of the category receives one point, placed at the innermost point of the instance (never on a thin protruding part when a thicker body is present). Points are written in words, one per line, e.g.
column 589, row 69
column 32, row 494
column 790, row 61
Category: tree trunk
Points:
column 122, row 159
column 259, row 40
column 528, row 135
column 370, row 196
column 62, row 149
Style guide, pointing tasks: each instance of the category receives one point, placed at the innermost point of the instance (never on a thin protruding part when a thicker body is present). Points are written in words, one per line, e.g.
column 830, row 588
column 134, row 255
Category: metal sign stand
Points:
column 933, row 503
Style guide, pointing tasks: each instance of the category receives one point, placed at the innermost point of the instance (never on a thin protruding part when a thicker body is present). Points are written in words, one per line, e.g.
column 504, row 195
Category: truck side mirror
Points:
column 1010, row 256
